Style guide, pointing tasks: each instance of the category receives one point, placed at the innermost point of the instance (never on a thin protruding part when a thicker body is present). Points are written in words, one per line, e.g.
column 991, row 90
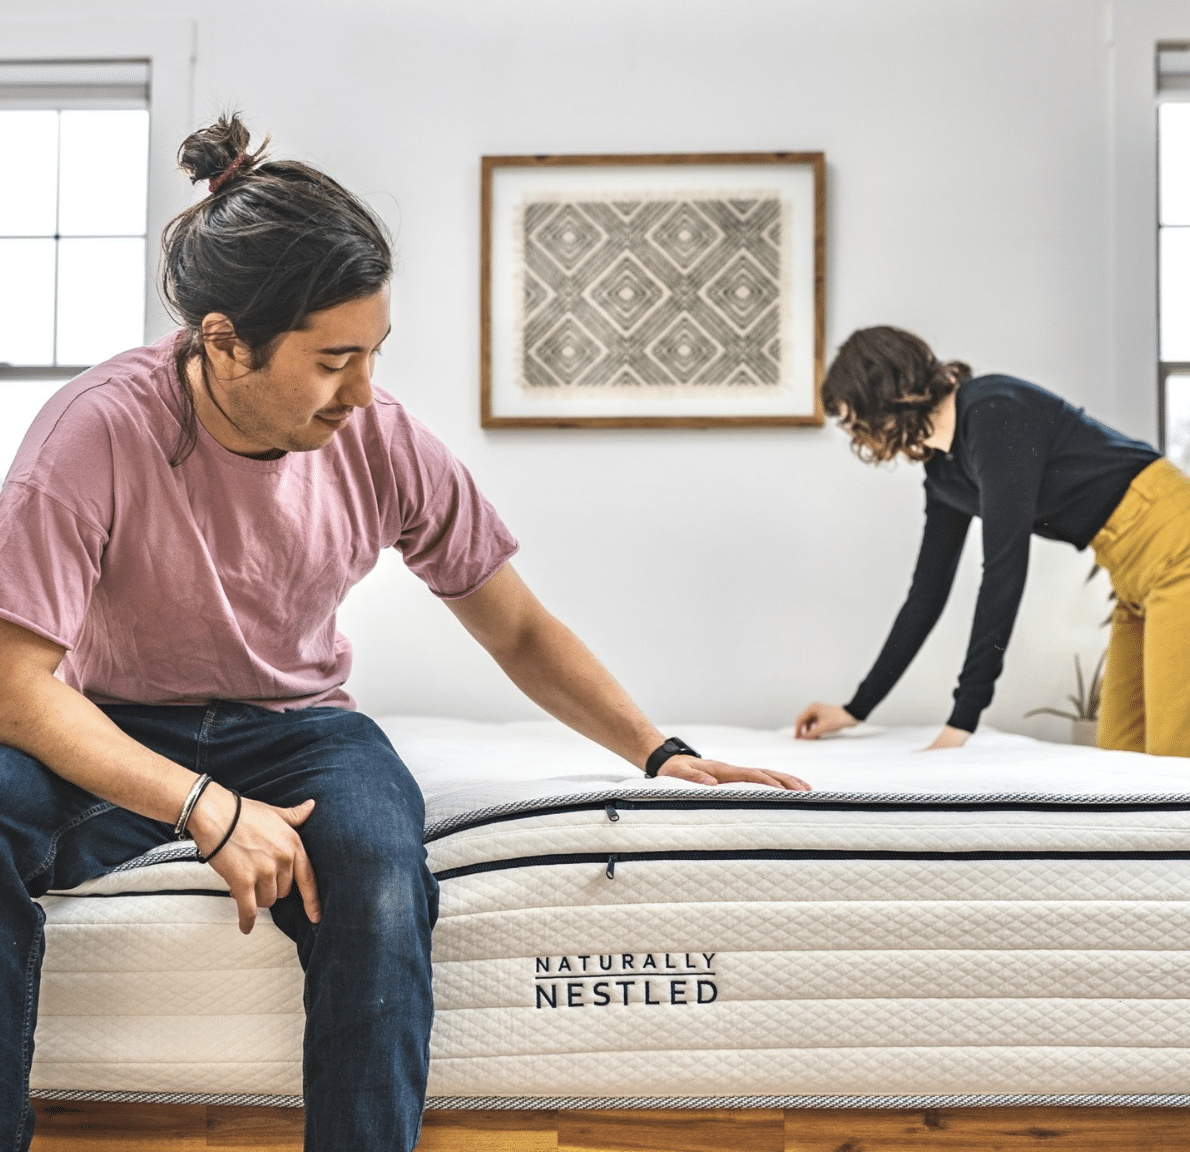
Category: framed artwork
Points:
column 639, row 291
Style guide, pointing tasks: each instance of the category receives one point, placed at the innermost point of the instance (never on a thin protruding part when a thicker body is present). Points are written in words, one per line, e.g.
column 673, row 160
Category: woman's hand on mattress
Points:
column 948, row 738
column 716, row 772
column 265, row 856
column 821, row 720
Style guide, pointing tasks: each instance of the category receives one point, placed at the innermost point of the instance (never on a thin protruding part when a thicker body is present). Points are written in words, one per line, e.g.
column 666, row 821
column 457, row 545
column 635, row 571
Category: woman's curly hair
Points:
column 884, row 385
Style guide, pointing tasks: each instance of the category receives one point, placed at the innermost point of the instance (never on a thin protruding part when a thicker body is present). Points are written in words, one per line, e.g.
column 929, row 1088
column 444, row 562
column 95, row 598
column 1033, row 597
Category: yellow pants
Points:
column 1145, row 547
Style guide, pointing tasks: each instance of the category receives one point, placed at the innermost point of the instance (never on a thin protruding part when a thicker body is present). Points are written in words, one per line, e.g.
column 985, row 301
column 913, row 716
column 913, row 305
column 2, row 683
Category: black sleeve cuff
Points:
column 965, row 716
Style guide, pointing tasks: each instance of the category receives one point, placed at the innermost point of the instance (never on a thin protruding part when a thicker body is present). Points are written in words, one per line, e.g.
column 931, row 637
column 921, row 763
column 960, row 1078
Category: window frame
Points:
column 1174, row 93
column 168, row 46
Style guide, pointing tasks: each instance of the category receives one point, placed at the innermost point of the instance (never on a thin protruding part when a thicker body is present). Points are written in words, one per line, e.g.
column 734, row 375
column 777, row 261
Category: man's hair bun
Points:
column 208, row 153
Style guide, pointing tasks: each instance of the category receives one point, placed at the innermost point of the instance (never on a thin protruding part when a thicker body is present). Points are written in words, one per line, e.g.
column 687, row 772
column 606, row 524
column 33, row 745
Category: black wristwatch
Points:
column 672, row 747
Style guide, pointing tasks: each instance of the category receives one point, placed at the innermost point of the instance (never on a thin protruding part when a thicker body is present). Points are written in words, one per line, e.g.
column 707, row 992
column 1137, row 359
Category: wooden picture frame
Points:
column 652, row 290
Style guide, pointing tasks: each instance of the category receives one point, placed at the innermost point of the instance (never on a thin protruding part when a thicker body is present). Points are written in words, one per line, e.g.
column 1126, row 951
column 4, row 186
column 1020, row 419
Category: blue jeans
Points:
column 368, row 996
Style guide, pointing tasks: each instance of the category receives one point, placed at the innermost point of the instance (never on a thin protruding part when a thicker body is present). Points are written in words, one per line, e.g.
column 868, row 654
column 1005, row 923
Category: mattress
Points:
column 1004, row 923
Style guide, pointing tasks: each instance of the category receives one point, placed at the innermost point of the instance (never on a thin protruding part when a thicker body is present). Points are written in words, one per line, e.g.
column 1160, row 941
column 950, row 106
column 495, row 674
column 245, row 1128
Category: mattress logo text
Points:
column 622, row 978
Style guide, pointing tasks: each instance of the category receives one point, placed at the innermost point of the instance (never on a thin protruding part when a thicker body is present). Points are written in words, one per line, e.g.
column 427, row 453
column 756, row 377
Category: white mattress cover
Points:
column 467, row 765
column 484, row 784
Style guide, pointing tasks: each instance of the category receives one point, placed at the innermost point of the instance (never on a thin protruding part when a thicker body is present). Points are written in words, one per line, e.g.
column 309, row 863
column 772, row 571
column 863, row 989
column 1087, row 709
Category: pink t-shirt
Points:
column 219, row 579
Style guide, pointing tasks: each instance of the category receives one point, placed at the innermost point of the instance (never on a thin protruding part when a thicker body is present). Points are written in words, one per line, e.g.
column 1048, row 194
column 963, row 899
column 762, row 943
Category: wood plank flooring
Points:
column 87, row 1127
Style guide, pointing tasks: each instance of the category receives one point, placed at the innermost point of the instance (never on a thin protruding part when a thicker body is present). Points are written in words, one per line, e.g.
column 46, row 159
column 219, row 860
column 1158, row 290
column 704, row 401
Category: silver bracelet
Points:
column 188, row 808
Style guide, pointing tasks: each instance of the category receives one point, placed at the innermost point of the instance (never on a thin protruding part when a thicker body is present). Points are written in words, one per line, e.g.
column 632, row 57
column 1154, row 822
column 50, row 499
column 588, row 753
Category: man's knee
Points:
column 366, row 792
column 369, row 841
column 383, row 896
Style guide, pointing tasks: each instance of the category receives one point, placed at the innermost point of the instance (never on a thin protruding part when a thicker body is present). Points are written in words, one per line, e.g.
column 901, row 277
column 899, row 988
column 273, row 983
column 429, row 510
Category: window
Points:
column 73, row 210
column 1173, row 249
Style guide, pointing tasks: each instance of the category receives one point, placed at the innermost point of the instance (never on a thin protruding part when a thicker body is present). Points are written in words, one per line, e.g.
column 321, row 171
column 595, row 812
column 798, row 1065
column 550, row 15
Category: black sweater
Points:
column 1024, row 461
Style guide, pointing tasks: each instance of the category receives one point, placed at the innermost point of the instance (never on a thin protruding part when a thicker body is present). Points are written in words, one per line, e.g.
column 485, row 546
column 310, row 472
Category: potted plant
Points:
column 1084, row 719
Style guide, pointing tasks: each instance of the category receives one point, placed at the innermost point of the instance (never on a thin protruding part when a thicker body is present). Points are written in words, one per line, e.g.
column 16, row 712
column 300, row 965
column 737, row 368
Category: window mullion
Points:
column 57, row 228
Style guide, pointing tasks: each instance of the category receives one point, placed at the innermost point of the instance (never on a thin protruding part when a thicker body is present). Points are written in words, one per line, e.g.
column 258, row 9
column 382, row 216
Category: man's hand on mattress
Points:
column 948, row 738
column 716, row 772
column 820, row 719
column 265, row 856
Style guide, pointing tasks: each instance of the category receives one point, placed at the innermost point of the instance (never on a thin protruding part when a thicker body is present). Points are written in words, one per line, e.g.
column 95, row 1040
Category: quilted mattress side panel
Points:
column 728, row 977
column 162, row 993
column 713, row 977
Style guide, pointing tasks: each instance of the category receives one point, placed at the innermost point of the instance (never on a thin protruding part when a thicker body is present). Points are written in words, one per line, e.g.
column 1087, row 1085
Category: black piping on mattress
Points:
column 611, row 860
column 68, row 895
column 612, row 800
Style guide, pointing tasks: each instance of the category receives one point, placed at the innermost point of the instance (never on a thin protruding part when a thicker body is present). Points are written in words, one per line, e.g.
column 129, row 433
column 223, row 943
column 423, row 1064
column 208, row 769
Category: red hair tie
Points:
column 217, row 182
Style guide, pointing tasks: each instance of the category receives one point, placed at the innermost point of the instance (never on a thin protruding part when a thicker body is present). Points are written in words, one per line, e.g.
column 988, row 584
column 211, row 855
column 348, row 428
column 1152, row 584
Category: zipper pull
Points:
column 611, row 866
column 610, row 809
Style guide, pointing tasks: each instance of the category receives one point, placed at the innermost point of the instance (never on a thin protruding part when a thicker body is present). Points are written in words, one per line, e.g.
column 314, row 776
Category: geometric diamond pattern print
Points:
column 742, row 291
column 536, row 293
column 568, row 237
column 627, row 292
column 685, row 350
column 568, row 351
column 652, row 292
column 687, row 233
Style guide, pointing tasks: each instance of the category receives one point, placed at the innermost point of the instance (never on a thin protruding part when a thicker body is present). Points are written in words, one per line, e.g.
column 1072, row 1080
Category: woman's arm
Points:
column 937, row 561
column 942, row 541
column 1007, row 451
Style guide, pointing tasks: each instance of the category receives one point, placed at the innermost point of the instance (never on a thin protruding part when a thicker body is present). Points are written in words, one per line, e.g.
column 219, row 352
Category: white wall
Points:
column 724, row 575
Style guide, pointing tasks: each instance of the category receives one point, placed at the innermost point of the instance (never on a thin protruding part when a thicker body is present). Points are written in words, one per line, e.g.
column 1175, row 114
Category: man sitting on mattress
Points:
column 176, row 534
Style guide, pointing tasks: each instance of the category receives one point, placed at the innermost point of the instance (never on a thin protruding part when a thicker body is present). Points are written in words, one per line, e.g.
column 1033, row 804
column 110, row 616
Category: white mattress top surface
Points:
column 465, row 765
column 468, row 767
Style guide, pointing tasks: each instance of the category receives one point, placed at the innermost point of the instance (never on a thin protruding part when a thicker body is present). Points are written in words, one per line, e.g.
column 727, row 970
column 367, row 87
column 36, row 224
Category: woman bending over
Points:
column 1025, row 462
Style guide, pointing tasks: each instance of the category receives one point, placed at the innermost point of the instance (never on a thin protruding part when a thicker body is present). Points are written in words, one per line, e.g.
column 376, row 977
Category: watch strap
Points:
column 672, row 747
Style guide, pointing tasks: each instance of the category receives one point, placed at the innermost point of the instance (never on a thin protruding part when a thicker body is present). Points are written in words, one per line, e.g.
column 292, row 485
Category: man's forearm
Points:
column 553, row 667
column 49, row 720
column 557, row 671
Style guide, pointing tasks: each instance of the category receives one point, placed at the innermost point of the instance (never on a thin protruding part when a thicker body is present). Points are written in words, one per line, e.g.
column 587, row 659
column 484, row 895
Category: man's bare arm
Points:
column 557, row 671
column 49, row 720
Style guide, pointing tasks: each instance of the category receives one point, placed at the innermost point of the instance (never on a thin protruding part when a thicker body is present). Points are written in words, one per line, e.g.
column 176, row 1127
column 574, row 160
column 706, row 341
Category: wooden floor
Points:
column 81, row 1127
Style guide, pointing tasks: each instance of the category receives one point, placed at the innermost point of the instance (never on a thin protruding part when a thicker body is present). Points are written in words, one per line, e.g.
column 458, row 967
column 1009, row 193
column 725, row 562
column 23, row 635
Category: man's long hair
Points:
column 274, row 241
